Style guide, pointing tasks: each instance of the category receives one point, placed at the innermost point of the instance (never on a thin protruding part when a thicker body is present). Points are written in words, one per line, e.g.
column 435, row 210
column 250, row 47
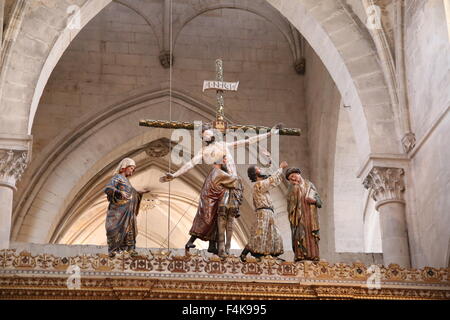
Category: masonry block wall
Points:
column 428, row 79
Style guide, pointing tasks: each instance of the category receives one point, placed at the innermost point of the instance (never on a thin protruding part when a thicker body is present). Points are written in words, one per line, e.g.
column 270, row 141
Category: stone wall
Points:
column 428, row 78
column 349, row 196
column 338, row 241
column 322, row 102
column 333, row 167
column 117, row 53
column 427, row 62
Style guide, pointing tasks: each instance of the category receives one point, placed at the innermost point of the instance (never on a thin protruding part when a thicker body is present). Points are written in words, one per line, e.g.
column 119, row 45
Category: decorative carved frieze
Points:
column 165, row 276
column 12, row 166
column 387, row 184
column 196, row 266
column 40, row 287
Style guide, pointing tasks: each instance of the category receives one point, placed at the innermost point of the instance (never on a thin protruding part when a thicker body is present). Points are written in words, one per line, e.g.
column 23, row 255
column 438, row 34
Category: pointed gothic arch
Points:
column 357, row 73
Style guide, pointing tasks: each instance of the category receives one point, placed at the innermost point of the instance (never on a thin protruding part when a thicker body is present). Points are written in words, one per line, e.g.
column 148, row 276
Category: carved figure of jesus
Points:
column 214, row 151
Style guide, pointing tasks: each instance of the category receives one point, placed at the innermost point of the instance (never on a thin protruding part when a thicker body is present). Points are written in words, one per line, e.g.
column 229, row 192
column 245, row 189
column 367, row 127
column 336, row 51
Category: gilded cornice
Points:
column 162, row 276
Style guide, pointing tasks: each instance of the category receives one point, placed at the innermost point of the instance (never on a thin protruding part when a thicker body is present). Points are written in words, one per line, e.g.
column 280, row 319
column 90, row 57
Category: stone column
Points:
column 388, row 187
column 12, row 165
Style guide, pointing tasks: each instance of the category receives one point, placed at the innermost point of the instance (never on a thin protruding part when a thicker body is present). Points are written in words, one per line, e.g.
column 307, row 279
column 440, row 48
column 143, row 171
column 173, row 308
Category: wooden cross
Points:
column 220, row 86
column 220, row 123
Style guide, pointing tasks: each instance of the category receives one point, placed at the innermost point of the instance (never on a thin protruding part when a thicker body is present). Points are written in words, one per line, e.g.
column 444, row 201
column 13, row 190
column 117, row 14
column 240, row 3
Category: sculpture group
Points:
column 222, row 194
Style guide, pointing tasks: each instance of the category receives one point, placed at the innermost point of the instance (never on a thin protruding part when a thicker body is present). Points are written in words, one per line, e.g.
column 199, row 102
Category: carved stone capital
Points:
column 159, row 148
column 12, row 166
column 166, row 59
column 387, row 184
column 300, row 66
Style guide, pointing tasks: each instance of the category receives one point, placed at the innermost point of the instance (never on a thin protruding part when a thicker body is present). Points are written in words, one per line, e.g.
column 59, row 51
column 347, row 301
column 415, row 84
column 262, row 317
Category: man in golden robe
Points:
column 302, row 203
column 265, row 238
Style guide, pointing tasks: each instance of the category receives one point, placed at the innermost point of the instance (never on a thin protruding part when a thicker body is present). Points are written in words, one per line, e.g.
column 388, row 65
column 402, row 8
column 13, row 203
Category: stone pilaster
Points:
column 15, row 153
column 388, row 187
column 12, row 166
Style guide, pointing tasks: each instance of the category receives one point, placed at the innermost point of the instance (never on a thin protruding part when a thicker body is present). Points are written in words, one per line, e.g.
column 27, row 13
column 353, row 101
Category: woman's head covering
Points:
column 124, row 163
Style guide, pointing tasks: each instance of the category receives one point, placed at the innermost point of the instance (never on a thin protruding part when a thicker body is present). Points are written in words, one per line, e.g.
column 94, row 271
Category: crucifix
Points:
column 217, row 150
column 220, row 123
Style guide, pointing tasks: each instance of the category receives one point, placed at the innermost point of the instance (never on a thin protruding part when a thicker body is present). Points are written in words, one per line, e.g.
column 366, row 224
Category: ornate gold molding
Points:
column 40, row 287
column 162, row 276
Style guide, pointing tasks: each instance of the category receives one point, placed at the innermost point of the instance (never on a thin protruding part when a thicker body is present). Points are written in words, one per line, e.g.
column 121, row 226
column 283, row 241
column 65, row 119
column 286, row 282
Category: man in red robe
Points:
column 204, row 226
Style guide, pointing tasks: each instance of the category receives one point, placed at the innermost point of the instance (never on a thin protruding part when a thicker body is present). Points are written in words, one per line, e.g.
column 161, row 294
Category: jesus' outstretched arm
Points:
column 254, row 139
column 185, row 168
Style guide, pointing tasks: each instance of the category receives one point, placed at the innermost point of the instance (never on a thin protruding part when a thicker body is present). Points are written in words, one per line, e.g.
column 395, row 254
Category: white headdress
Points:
column 124, row 163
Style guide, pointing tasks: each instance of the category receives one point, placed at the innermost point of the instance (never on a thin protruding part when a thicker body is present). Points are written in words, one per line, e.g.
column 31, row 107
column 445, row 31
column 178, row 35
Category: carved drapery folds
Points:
column 12, row 166
column 387, row 184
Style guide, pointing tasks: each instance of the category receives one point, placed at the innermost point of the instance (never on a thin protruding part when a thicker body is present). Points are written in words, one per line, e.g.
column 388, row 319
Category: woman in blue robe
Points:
column 124, row 201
